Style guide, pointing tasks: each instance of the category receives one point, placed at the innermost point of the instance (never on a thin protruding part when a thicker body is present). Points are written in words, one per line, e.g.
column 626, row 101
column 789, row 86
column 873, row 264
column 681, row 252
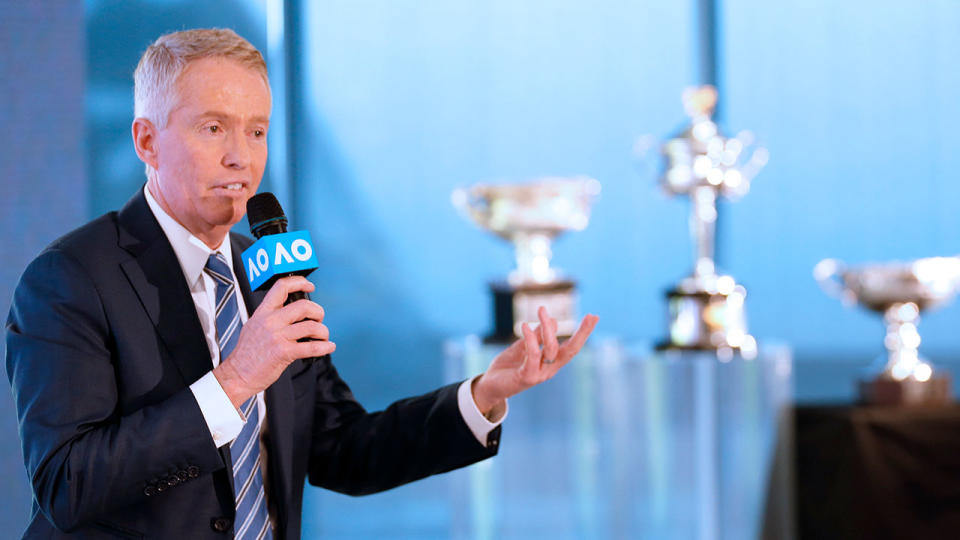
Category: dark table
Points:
column 874, row 473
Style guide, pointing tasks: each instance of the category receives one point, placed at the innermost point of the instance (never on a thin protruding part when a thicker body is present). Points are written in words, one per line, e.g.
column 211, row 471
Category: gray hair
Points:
column 154, row 81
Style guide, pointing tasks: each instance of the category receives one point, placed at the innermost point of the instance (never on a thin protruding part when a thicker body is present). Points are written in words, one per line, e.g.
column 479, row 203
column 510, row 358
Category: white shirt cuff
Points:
column 223, row 419
column 478, row 424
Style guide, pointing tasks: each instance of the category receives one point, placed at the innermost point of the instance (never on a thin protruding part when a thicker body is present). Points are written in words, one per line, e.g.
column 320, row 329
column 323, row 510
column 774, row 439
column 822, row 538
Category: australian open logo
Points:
column 277, row 255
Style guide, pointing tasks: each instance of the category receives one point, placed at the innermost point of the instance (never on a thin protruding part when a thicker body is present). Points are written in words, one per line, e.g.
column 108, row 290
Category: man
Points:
column 158, row 397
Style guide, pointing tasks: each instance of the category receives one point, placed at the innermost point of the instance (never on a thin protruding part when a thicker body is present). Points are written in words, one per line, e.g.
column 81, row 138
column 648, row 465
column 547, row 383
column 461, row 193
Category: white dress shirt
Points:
column 223, row 419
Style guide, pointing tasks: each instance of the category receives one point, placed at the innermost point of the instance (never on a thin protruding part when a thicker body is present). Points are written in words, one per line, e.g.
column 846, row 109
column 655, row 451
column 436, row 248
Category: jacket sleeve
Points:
column 82, row 456
column 358, row 453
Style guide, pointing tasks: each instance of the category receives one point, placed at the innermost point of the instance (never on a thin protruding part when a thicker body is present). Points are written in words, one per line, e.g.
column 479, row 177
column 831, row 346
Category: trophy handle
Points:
column 759, row 156
column 460, row 198
column 644, row 154
column 463, row 200
column 829, row 275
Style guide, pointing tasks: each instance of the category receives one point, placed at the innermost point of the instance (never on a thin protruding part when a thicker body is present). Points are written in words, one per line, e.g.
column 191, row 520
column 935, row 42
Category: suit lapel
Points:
column 278, row 397
column 156, row 276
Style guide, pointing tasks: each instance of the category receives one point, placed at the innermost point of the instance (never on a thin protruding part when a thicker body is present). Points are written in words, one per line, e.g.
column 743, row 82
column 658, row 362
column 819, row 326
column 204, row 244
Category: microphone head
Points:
column 265, row 215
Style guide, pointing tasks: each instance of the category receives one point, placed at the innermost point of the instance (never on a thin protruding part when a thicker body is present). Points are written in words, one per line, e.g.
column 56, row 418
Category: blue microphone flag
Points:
column 279, row 255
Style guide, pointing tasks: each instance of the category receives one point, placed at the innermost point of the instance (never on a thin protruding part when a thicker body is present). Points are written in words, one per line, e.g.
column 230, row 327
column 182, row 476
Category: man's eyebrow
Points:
column 223, row 115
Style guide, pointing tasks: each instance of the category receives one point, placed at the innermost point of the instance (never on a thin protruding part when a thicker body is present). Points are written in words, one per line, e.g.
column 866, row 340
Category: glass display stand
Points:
column 627, row 442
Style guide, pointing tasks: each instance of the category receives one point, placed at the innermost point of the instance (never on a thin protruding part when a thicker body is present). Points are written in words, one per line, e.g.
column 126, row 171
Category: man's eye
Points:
column 214, row 129
column 259, row 133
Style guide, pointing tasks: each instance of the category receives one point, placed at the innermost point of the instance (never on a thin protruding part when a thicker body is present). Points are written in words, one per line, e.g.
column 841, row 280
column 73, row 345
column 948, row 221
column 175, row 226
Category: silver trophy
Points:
column 531, row 216
column 706, row 308
column 900, row 291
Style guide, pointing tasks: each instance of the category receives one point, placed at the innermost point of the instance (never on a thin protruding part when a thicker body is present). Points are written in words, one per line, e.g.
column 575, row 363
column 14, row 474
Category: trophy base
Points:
column 935, row 391
column 708, row 321
column 514, row 305
column 667, row 345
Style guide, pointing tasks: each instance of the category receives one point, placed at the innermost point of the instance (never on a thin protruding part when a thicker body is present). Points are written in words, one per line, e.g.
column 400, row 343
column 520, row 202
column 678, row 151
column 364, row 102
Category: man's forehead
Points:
column 209, row 63
column 198, row 71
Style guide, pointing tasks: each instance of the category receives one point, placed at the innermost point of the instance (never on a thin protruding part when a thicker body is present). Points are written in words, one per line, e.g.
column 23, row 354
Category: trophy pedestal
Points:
column 886, row 391
column 707, row 321
column 625, row 442
column 514, row 305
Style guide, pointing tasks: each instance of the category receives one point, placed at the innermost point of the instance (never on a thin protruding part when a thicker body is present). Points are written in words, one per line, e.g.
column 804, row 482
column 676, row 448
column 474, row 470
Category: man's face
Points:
column 211, row 154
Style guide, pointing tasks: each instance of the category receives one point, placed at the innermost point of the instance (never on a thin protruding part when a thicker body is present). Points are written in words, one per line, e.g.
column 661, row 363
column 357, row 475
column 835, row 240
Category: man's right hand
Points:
column 268, row 341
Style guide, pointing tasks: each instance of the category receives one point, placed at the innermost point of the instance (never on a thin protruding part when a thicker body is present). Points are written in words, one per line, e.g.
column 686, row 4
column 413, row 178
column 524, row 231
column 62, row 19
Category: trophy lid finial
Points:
column 700, row 101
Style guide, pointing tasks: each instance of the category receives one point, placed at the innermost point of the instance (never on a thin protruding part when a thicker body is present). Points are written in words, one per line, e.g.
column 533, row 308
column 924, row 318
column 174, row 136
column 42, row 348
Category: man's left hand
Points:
column 528, row 362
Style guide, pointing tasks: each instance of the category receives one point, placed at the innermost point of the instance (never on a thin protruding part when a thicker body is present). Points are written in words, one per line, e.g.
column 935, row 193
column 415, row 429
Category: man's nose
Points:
column 237, row 151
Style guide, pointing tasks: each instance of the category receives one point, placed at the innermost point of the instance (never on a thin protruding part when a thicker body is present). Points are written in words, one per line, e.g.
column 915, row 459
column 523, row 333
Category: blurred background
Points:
column 382, row 108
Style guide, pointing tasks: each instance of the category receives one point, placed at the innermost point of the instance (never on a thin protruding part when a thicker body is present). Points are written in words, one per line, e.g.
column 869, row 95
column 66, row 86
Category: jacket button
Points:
column 172, row 480
column 161, row 486
column 149, row 491
column 193, row 471
column 183, row 475
column 221, row 524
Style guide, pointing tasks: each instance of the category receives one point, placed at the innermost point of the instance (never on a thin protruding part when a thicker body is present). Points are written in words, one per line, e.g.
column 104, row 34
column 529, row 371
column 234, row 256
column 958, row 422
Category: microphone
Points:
column 276, row 253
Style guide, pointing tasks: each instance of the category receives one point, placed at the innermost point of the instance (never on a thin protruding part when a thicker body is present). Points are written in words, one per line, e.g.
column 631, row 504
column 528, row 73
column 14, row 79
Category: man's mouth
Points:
column 234, row 187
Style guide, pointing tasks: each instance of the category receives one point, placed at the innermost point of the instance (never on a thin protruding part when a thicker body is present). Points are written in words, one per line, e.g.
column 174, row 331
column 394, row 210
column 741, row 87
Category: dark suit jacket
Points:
column 103, row 341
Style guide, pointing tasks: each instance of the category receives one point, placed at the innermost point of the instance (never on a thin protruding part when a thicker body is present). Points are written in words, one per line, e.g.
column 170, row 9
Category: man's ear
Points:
column 145, row 141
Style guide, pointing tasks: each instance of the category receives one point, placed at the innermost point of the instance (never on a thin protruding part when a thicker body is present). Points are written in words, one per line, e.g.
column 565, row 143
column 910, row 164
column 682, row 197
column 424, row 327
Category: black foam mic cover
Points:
column 265, row 215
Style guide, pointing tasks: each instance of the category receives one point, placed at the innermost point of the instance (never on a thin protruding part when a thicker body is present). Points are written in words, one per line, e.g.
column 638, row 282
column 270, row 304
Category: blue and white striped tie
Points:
column 252, row 520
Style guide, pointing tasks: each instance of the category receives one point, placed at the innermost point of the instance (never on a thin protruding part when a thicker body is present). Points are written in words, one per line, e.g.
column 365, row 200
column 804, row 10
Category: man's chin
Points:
column 226, row 215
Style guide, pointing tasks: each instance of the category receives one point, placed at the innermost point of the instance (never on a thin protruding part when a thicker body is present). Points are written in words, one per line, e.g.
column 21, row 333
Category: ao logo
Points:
column 277, row 255
column 302, row 251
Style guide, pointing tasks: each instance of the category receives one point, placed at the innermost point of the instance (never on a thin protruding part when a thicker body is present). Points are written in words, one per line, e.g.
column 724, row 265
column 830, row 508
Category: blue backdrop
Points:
column 382, row 108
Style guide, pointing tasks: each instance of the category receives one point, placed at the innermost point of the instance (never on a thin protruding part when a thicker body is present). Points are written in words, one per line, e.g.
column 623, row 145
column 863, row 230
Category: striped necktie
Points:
column 251, row 520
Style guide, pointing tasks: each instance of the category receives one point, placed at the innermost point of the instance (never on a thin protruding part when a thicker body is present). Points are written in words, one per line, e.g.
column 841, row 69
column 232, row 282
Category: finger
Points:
column 300, row 310
column 531, row 341
column 572, row 346
column 548, row 331
column 306, row 329
column 312, row 349
column 535, row 330
column 278, row 293
column 532, row 350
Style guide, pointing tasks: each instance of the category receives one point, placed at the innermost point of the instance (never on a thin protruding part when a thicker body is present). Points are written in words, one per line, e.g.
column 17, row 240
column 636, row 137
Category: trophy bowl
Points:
column 924, row 282
column 530, row 216
column 900, row 291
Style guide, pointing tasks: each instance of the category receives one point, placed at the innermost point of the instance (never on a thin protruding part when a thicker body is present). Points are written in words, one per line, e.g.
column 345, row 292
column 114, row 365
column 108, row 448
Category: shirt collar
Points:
column 190, row 250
